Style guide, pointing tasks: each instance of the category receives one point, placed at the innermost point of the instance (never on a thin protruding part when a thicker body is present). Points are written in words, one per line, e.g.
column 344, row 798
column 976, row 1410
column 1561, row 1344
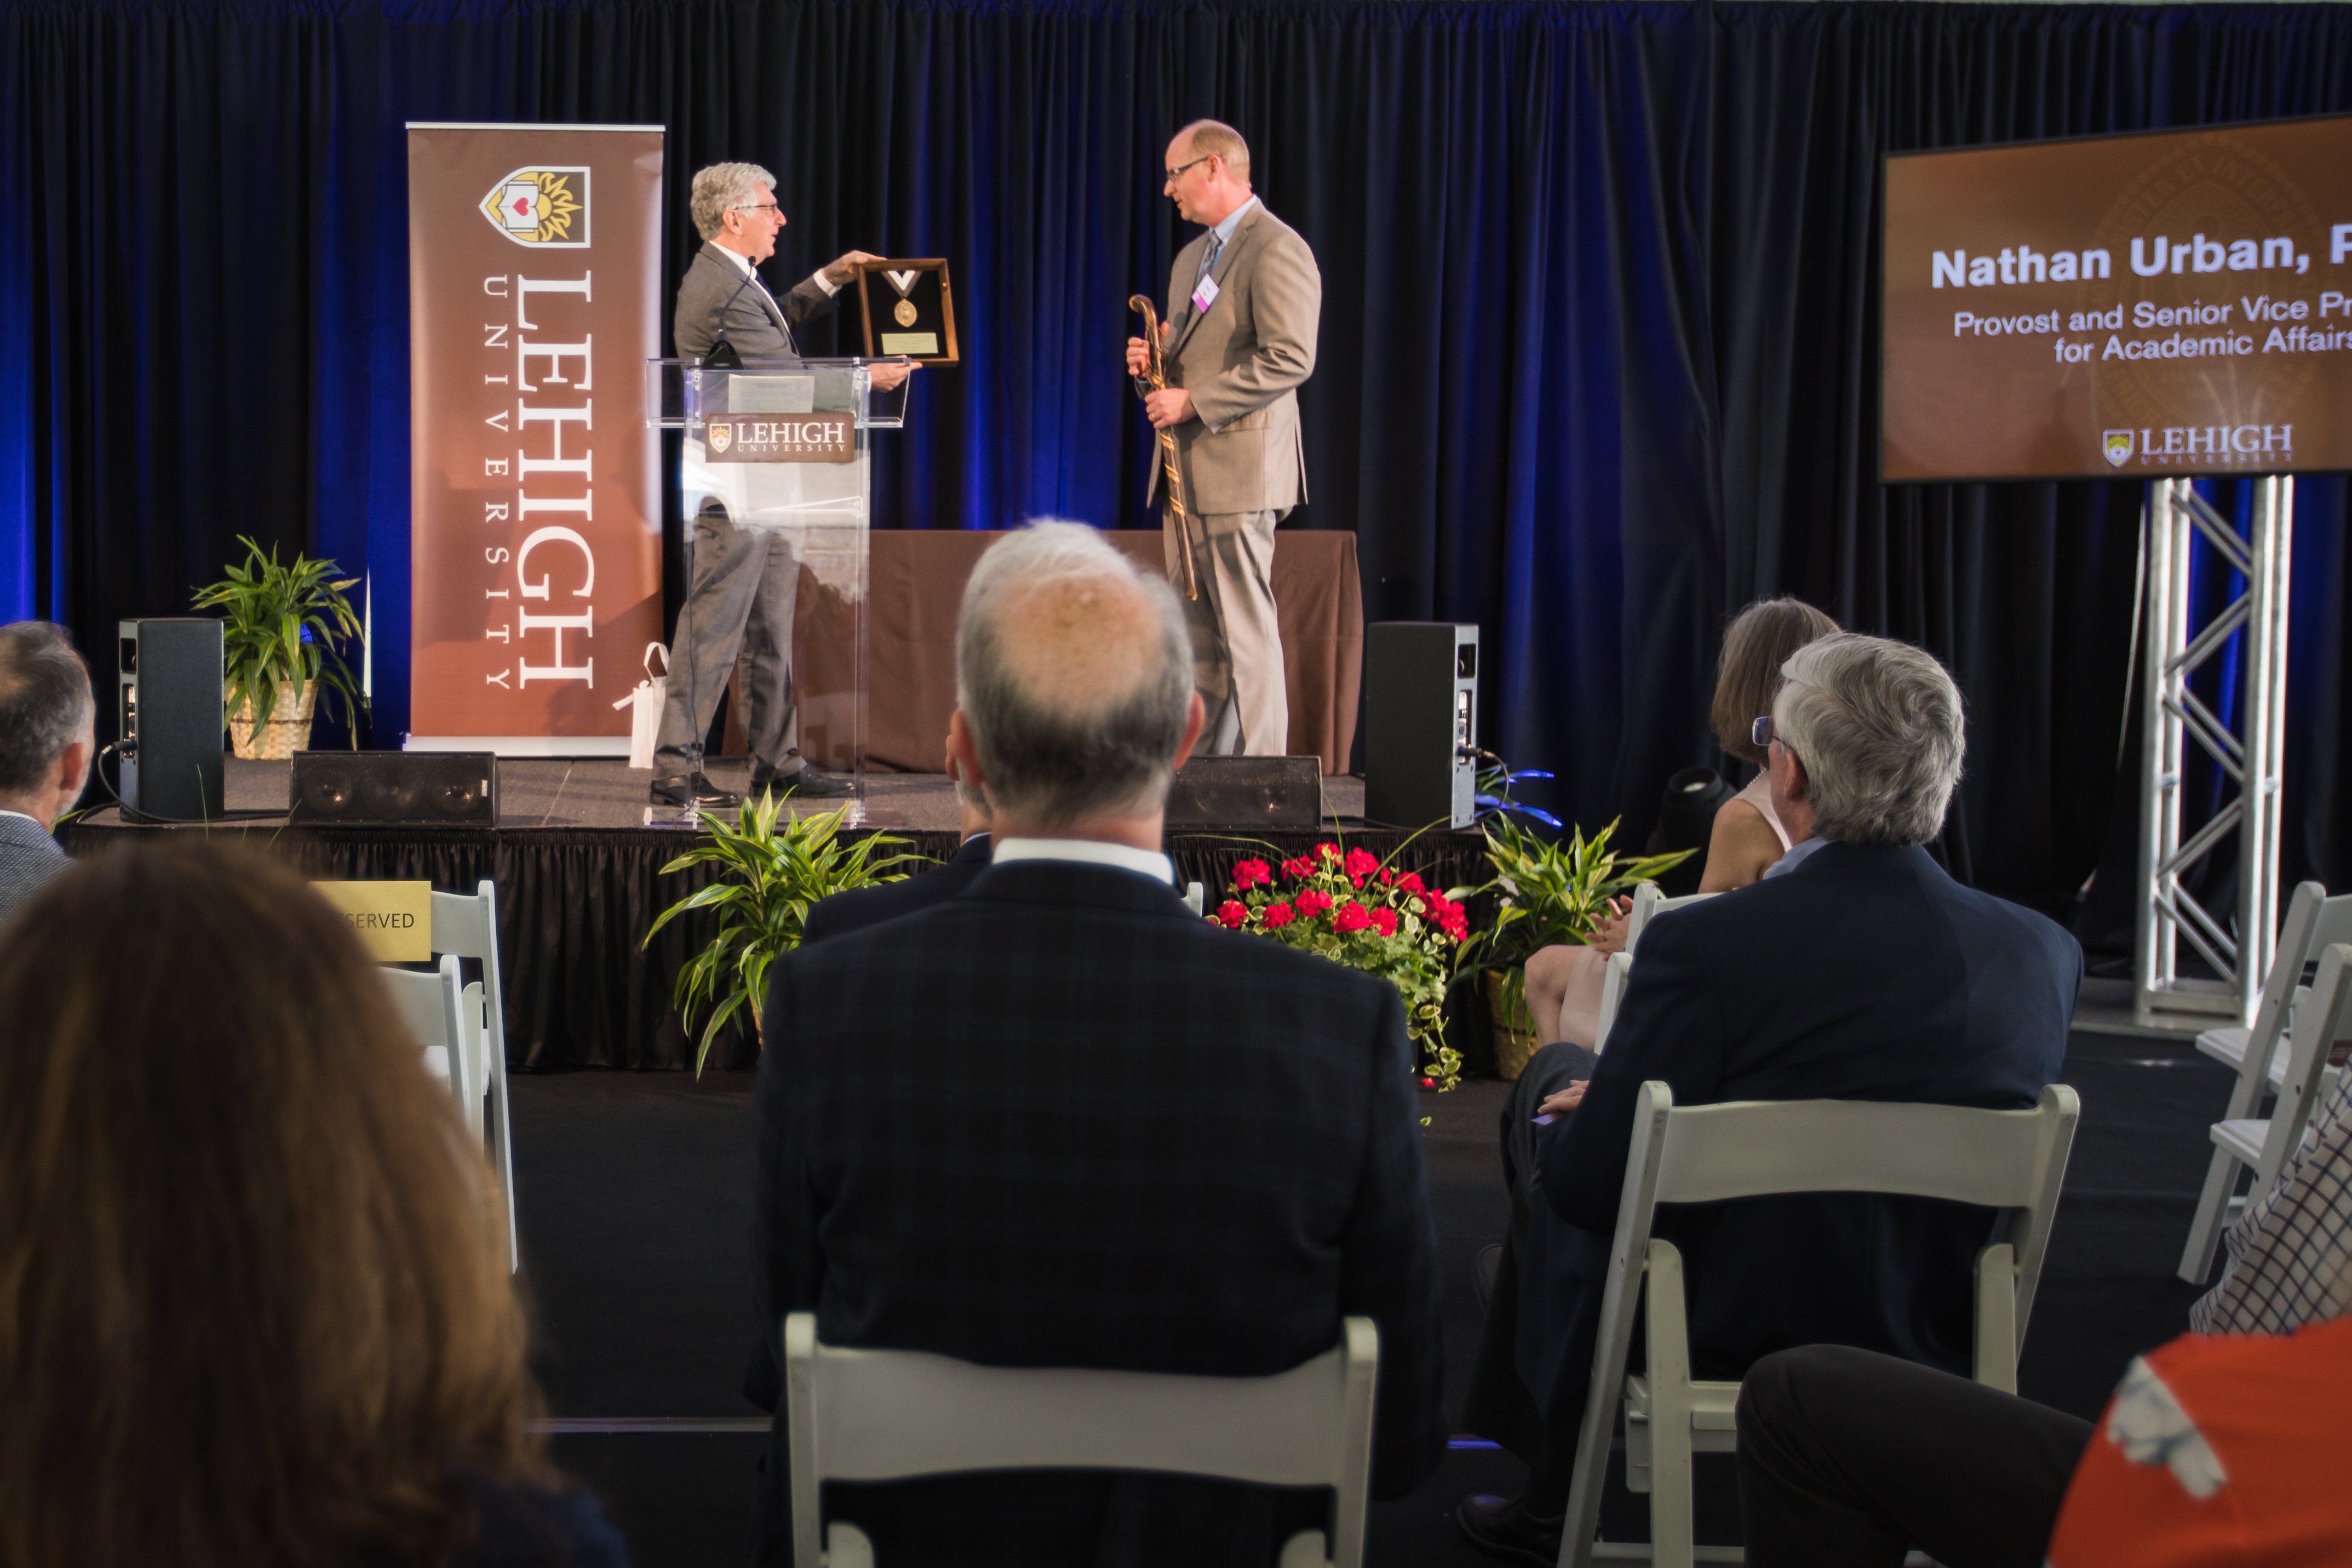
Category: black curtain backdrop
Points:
column 1597, row 354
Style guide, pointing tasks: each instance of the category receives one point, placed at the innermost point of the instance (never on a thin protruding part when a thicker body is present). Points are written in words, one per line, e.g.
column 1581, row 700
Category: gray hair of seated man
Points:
column 1877, row 725
column 1052, row 756
column 972, row 798
column 44, row 701
column 719, row 187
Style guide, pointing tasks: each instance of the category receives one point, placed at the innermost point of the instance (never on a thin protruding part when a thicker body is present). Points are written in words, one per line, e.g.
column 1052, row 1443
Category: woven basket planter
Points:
column 287, row 731
column 1515, row 1031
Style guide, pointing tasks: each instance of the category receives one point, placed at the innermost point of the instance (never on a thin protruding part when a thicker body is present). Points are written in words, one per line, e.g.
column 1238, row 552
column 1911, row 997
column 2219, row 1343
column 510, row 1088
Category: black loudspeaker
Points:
column 446, row 788
column 168, row 682
column 1421, row 723
column 1247, row 792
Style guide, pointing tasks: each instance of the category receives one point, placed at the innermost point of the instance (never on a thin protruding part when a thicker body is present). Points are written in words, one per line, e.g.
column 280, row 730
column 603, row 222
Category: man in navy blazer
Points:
column 862, row 906
column 1060, row 1121
column 46, row 714
column 1859, row 970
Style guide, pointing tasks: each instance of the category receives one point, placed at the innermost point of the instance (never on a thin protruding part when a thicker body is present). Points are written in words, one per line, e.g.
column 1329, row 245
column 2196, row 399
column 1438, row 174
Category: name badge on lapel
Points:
column 1204, row 296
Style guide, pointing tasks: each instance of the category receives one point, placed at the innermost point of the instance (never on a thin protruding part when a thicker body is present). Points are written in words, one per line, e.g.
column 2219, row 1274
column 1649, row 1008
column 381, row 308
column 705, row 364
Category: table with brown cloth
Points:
column 915, row 581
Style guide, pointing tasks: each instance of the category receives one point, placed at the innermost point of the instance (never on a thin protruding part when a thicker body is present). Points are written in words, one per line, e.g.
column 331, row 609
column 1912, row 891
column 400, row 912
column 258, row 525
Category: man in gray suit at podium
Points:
column 738, row 599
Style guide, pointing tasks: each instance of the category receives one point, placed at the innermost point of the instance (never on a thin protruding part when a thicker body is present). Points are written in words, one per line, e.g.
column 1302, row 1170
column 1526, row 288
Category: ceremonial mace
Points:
column 1155, row 362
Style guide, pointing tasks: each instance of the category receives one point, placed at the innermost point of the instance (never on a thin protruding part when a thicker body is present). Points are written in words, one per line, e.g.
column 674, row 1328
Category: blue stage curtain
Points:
column 1597, row 354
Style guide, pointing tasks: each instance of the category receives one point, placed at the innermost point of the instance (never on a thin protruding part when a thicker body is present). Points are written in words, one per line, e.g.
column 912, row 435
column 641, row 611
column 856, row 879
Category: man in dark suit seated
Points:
column 47, row 740
column 1859, row 971
column 862, row 906
column 1059, row 1121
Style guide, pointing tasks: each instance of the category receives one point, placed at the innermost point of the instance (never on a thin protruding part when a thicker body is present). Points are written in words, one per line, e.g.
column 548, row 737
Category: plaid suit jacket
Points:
column 28, row 857
column 1058, row 1121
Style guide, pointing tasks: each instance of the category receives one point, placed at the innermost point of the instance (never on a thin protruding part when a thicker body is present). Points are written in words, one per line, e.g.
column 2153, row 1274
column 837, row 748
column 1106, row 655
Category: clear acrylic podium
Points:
column 783, row 447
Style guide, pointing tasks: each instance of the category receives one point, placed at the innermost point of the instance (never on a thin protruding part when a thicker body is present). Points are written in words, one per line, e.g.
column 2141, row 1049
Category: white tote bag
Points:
column 644, row 721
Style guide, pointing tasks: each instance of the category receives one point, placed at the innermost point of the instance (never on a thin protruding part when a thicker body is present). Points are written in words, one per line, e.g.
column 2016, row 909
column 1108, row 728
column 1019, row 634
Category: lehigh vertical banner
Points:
column 534, row 276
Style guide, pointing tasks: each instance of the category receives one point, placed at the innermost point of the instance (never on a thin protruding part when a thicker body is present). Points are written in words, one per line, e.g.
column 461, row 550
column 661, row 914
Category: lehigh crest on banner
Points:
column 2119, row 447
column 720, row 434
column 541, row 207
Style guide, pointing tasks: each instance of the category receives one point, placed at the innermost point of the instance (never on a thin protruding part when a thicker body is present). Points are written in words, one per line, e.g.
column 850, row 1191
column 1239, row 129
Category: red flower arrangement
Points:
column 1350, row 907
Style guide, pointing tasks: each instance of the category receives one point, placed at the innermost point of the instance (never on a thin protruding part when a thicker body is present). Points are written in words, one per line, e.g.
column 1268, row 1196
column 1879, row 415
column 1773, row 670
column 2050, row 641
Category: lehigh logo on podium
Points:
column 721, row 434
column 2119, row 447
column 541, row 207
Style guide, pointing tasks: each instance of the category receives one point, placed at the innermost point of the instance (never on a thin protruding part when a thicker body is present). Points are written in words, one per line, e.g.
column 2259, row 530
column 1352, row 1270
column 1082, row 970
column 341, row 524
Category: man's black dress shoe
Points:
column 695, row 790
column 1500, row 1527
column 807, row 780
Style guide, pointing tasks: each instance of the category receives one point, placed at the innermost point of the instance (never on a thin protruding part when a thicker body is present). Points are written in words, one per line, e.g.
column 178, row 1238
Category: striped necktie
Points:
column 1209, row 257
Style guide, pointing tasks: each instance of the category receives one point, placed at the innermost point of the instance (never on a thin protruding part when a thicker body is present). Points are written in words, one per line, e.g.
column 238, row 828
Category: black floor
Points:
column 633, row 1194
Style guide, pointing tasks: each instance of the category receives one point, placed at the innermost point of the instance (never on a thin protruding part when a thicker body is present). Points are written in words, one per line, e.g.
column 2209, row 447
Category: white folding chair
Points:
column 2259, row 1055
column 887, row 1415
column 2009, row 1160
column 434, row 1006
column 1648, row 903
column 1613, row 981
column 2264, row 1144
column 467, row 924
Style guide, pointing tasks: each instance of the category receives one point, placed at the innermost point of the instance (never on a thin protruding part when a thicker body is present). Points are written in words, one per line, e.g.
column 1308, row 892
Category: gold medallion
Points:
column 905, row 312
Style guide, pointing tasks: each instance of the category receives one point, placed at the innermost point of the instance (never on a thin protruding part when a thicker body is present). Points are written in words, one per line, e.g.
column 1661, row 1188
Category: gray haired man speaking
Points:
column 47, row 740
column 1058, row 1120
column 739, row 599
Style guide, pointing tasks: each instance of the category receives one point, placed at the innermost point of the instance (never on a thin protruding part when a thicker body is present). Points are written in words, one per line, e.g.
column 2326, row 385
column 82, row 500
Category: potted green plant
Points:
column 772, row 867
column 1547, row 893
column 281, row 635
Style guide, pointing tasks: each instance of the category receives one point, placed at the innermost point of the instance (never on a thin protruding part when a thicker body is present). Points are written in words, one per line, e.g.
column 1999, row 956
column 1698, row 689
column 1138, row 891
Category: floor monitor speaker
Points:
column 446, row 788
column 1421, row 723
column 1247, row 792
column 170, row 714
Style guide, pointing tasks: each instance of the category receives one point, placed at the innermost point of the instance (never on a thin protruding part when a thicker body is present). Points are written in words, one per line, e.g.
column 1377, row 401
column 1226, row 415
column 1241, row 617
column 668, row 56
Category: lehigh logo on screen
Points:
column 2119, row 447
column 541, row 207
column 721, row 433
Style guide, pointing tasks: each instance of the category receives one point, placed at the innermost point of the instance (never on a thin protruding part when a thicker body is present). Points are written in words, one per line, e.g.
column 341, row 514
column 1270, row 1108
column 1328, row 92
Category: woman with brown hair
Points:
column 1749, row 835
column 254, row 1299
column 1564, row 982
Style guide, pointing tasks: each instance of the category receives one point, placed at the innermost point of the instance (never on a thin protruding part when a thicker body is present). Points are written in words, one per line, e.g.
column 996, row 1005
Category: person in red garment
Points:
column 2223, row 1450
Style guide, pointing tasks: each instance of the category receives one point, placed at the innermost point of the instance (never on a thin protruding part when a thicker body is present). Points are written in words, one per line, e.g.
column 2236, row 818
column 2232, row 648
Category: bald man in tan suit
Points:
column 1244, row 299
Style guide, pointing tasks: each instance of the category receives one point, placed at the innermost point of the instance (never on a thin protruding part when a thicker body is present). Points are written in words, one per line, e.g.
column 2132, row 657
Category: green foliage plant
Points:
column 1359, row 911
column 772, row 867
column 1550, row 893
column 284, row 624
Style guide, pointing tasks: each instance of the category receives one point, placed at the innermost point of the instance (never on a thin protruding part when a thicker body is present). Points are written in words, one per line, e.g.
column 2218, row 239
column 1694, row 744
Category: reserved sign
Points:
column 394, row 920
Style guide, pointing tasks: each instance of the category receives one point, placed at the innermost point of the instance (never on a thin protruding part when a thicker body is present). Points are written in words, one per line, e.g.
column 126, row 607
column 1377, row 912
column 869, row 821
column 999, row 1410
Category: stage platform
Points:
column 580, row 880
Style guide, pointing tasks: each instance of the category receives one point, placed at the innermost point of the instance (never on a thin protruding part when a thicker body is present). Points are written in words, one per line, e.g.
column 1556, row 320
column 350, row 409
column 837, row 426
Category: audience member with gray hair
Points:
column 1060, row 729
column 1855, row 969
column 1058, row 1120
column 47, row 741
column 1881, row 723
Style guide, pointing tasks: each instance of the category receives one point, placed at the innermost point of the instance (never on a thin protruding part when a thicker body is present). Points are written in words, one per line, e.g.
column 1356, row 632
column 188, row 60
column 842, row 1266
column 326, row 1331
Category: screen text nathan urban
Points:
column 2294, row 323
column 2178, row 302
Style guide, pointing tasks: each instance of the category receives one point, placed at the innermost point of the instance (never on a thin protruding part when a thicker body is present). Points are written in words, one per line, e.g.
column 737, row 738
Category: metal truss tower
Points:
column 2249, row 755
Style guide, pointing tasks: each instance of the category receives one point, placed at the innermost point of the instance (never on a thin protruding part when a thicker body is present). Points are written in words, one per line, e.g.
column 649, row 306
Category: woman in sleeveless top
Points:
column 1564, row 982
